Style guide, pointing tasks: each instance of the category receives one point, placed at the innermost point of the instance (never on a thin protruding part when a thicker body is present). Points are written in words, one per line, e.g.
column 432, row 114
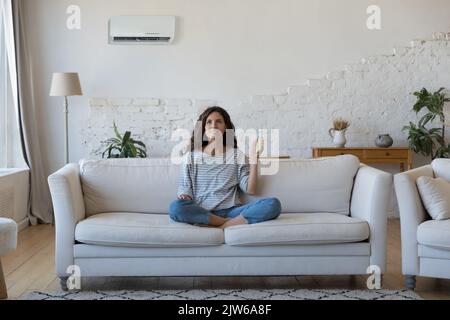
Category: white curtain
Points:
column 11, row 155
column 20, row 66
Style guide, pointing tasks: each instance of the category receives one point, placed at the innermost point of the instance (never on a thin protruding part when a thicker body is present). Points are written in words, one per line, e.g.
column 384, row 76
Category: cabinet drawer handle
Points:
column 388, row 154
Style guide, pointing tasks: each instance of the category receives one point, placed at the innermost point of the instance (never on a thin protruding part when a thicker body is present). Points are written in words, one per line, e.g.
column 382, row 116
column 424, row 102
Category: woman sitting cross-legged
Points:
column 211, row 175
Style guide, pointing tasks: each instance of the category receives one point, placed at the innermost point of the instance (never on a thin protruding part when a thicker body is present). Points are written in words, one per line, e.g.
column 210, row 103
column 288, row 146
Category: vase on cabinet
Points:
column 384, row 141
column 338, row 137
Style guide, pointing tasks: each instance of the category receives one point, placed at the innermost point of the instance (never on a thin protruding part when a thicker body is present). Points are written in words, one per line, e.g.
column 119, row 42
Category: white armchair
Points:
column 425, row 242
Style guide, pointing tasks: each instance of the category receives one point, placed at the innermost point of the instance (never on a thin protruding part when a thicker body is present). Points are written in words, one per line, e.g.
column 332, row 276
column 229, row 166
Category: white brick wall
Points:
column 373, row 94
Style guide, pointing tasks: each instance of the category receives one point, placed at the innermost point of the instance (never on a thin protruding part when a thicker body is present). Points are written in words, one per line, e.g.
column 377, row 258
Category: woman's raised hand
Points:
column 254, row 152
column 185, row 197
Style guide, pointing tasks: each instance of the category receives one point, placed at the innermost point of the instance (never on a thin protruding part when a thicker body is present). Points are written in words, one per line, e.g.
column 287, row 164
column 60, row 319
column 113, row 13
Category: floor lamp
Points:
column 64, row 85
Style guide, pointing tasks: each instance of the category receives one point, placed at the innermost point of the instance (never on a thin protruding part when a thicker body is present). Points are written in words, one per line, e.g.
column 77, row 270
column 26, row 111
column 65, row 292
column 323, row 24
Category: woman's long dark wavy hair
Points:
column 201, row 124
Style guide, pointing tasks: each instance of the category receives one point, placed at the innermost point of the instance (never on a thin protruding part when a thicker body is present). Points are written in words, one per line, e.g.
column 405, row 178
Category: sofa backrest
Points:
column 441, row 168
column 128, row 185
column 150, row 185
column 311, row 185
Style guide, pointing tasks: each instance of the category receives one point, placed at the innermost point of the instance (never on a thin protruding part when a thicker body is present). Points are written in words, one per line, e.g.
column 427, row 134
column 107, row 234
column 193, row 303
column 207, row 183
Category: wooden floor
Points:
column 31, row 267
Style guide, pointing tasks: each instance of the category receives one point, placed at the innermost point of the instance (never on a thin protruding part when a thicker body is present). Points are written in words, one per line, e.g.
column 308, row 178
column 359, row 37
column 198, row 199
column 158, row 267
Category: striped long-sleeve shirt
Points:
column 213, row 181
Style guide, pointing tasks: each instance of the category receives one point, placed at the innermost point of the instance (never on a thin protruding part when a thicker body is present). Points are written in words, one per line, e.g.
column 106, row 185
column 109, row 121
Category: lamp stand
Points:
column 66, row 133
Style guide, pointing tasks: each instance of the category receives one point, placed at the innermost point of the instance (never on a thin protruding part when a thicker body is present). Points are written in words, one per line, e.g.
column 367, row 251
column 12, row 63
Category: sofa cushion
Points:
column 433, row 252
column 299, row 228
column 434, row 233
column 312, row 185
column 435, row 195
column 143, row 230
column 441, row 168
column 128, row 185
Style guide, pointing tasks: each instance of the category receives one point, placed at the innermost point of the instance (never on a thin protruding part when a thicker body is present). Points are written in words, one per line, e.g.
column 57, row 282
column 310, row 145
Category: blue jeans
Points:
column 188, row 211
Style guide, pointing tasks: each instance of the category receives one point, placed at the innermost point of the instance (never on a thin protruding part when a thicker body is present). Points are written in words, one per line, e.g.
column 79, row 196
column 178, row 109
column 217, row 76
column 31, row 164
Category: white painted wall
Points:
column 224, row 51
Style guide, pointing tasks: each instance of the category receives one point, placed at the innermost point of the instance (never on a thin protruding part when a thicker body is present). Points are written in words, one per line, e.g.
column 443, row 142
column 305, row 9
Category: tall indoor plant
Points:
column 424, row 138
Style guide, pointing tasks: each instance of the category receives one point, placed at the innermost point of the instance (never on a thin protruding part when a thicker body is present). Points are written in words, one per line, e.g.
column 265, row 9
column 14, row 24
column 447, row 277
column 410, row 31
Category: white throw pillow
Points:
column 435, row 194
column 441, row 168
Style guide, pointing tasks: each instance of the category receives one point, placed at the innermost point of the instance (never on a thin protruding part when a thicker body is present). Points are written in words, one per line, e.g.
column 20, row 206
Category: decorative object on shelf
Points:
column 124, row 146
column 384, row 141
column 64, row 85
column 337, row 133
column 424, row 140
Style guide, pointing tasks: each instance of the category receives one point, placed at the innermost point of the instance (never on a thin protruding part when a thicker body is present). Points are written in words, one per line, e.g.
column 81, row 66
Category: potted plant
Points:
column 337, row 133
column 424, row 138
column 124, row 146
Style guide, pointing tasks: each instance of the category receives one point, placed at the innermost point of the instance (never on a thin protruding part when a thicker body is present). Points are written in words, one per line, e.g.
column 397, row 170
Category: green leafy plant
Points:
column 429, row 141
column 124, row 146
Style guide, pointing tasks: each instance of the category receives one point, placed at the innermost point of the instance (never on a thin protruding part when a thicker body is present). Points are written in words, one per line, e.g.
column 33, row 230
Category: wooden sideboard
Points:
column 402, row 156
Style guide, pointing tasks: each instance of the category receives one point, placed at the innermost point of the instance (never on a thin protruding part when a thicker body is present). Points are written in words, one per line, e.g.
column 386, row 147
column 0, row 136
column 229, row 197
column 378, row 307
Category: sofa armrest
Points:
column 412, row 214
column 68, row 206
column 372, row 192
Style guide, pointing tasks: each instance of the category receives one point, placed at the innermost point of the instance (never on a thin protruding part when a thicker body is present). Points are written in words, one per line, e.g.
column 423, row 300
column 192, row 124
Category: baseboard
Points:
column 23, row 224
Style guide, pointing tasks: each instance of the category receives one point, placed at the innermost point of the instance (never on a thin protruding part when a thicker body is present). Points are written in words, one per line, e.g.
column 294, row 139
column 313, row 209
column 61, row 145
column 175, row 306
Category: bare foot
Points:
column 216, row 221
column 234, row 222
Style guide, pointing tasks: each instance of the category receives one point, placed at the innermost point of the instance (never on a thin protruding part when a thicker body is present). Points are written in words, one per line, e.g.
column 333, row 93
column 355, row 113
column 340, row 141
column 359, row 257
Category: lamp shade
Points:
column 65, row 84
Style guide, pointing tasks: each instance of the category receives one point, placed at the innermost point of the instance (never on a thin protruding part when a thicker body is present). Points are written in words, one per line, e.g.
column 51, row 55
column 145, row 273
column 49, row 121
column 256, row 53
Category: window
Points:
column 10, row 146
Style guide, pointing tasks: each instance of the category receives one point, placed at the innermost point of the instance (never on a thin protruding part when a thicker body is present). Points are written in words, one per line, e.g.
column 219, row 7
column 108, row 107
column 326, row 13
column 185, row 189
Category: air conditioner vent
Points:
column 162, row 39
column 141, row 29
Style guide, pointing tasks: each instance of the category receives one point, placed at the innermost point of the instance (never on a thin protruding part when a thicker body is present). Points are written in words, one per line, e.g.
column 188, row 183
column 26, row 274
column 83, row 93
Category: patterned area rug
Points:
column 235, row 294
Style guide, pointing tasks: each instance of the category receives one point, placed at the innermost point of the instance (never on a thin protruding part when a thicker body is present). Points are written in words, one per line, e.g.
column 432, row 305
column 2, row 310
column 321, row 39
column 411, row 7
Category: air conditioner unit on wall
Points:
column 141, row 29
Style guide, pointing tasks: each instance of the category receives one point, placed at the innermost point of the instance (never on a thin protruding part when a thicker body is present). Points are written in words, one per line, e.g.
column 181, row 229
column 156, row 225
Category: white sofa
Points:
column 425, row 242
column 111, row 220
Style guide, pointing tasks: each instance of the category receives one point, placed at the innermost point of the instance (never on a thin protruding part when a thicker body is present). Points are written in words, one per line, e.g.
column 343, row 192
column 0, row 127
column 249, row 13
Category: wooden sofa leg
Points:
column 3, row 292
column 63, row 283
column 410, row 282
